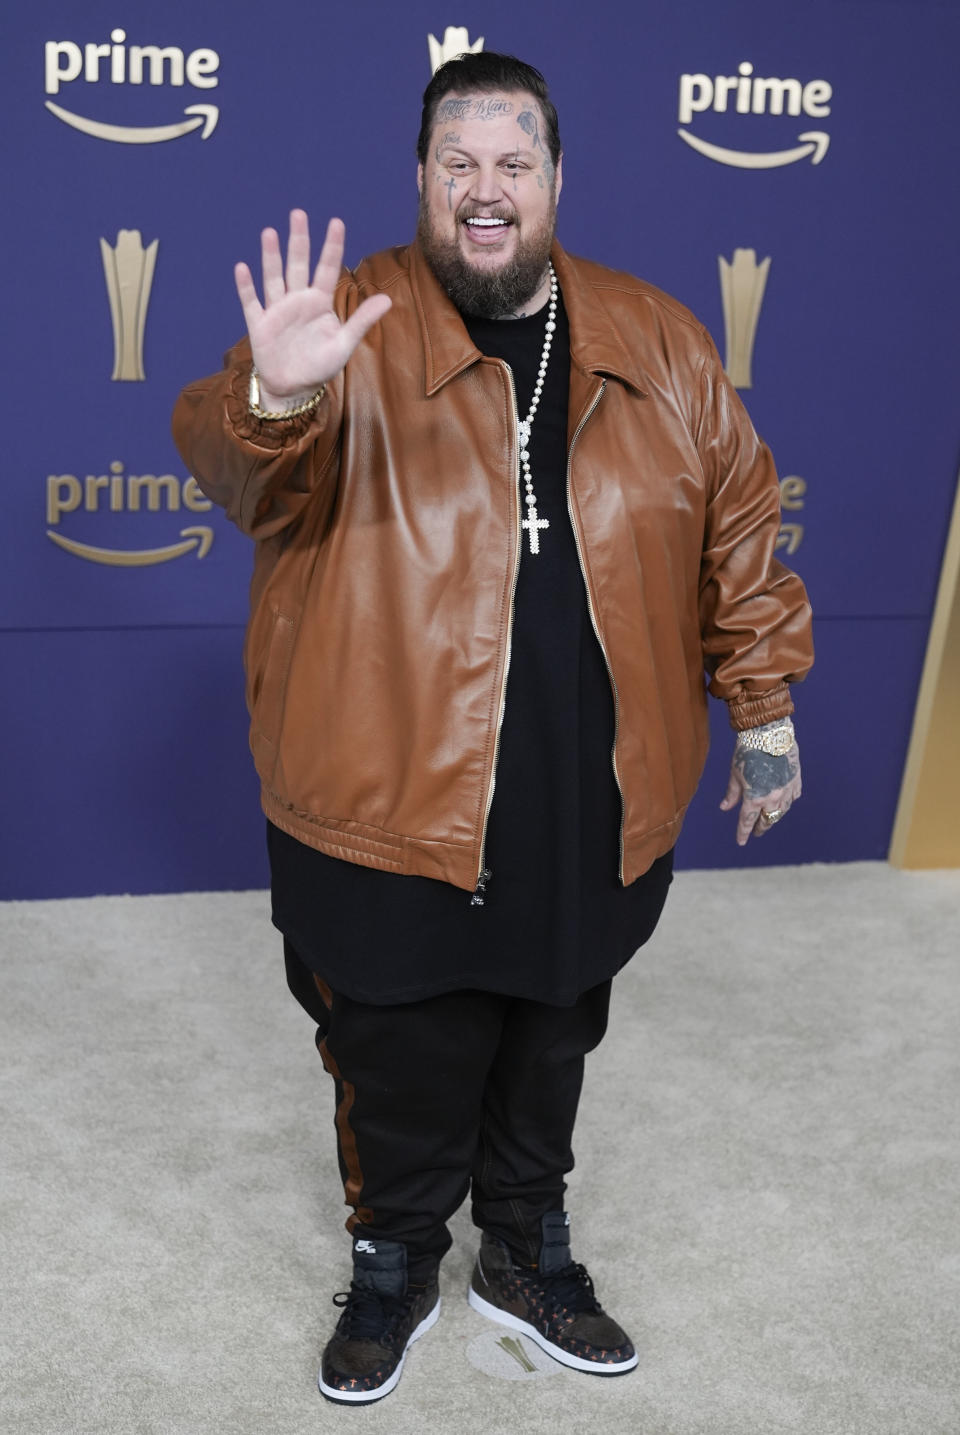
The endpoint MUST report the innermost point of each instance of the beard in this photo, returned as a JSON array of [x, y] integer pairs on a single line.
[[487, 293]]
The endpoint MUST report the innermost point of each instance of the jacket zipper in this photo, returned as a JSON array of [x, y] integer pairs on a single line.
[[593, 618], [483, 873]]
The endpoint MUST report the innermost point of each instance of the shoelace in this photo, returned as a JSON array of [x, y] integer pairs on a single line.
[[370, 1315], [569, 1289]]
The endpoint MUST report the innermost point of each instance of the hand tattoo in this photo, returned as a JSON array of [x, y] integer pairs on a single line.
[[763, 774]]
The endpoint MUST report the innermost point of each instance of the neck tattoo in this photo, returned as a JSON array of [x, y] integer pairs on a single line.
[[532, 523]]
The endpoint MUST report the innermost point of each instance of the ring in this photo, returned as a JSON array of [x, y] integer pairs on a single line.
[[772, 817]]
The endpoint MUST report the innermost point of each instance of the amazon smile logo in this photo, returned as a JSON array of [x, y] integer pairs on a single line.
[[118, 63], [747, 94], [120, 492]]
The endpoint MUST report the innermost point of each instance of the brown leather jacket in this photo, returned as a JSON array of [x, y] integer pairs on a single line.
[[387, 528]]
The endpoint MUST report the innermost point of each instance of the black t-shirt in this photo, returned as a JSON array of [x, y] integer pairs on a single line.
[[555, 919]]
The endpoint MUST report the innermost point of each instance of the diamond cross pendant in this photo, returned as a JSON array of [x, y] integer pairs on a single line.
[[533, 524]]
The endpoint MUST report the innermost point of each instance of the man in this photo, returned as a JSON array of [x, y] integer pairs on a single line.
[[507, 510]]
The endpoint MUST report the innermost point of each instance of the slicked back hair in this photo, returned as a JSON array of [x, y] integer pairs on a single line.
[[487, 73]]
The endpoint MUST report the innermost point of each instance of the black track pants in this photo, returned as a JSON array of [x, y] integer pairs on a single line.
[[468, 1091]]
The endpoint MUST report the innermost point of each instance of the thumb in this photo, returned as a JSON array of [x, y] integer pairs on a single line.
[[368, 314]]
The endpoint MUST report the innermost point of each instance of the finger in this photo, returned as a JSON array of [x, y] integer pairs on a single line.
[[731, 795], [765, 821], [329, 264], [273, 285], [749, 824], [247, 293], [370, 312], [298, 251]]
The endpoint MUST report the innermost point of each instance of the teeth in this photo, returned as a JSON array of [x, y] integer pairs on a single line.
[[486, 222]]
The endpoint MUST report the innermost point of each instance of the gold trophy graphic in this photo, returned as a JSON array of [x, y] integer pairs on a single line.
[[128, 269], [742, 284]]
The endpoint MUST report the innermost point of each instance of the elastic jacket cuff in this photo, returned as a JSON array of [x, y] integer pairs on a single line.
[[265, 433], [756, 709]]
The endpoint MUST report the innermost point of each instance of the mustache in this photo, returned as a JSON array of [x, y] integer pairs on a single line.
[[472, 212]]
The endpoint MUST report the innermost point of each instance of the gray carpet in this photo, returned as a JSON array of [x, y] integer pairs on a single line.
[[766, 1190]]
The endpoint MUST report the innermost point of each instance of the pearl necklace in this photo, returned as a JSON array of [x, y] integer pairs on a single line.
[[532, 522]]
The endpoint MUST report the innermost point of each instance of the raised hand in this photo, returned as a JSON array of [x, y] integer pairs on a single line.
[[298, 341], [761, 784]]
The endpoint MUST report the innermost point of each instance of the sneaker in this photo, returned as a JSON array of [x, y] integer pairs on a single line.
[[553, 1303], [382, 1317]]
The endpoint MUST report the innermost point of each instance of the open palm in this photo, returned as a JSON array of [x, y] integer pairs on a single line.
[[297, 339]]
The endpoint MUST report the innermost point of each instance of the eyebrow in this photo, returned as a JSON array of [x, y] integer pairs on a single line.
[[515, 152]]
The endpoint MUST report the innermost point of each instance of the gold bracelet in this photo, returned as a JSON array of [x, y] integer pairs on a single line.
[[273, 415]]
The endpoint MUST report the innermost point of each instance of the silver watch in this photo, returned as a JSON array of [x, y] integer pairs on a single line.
[[774, 741]]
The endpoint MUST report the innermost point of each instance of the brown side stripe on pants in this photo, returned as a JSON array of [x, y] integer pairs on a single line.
[[348, 1141]]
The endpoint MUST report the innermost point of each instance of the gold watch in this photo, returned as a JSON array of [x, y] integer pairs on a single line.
[[774, 741]]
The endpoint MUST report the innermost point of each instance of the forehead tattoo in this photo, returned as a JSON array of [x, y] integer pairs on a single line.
[[527, 121], [449, 138], [488, 107]]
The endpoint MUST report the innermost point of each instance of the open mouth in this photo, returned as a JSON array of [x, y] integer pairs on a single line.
[[484, 230]]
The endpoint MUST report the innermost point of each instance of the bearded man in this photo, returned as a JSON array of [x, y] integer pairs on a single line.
[[508, 512]]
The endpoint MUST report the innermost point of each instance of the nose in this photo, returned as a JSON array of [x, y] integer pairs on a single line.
[[487, 186]]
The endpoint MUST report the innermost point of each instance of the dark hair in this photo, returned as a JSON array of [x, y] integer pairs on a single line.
[[487, 72]]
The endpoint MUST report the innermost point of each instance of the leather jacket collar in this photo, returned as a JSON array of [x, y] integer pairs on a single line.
[[595, 348]]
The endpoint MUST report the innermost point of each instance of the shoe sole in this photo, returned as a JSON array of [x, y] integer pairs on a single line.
[[367, 1397], [575, 1362]]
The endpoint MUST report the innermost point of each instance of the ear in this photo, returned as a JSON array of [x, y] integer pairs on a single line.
[[558, 179], [419, 178]]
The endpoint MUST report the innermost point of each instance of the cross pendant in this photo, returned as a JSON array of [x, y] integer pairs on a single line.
[[534, 524]]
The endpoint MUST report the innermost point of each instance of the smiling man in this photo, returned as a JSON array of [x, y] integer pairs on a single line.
[[511, 522], [489, 242]]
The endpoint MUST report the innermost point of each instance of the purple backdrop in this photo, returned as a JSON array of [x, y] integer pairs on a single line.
[[123, 722]]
